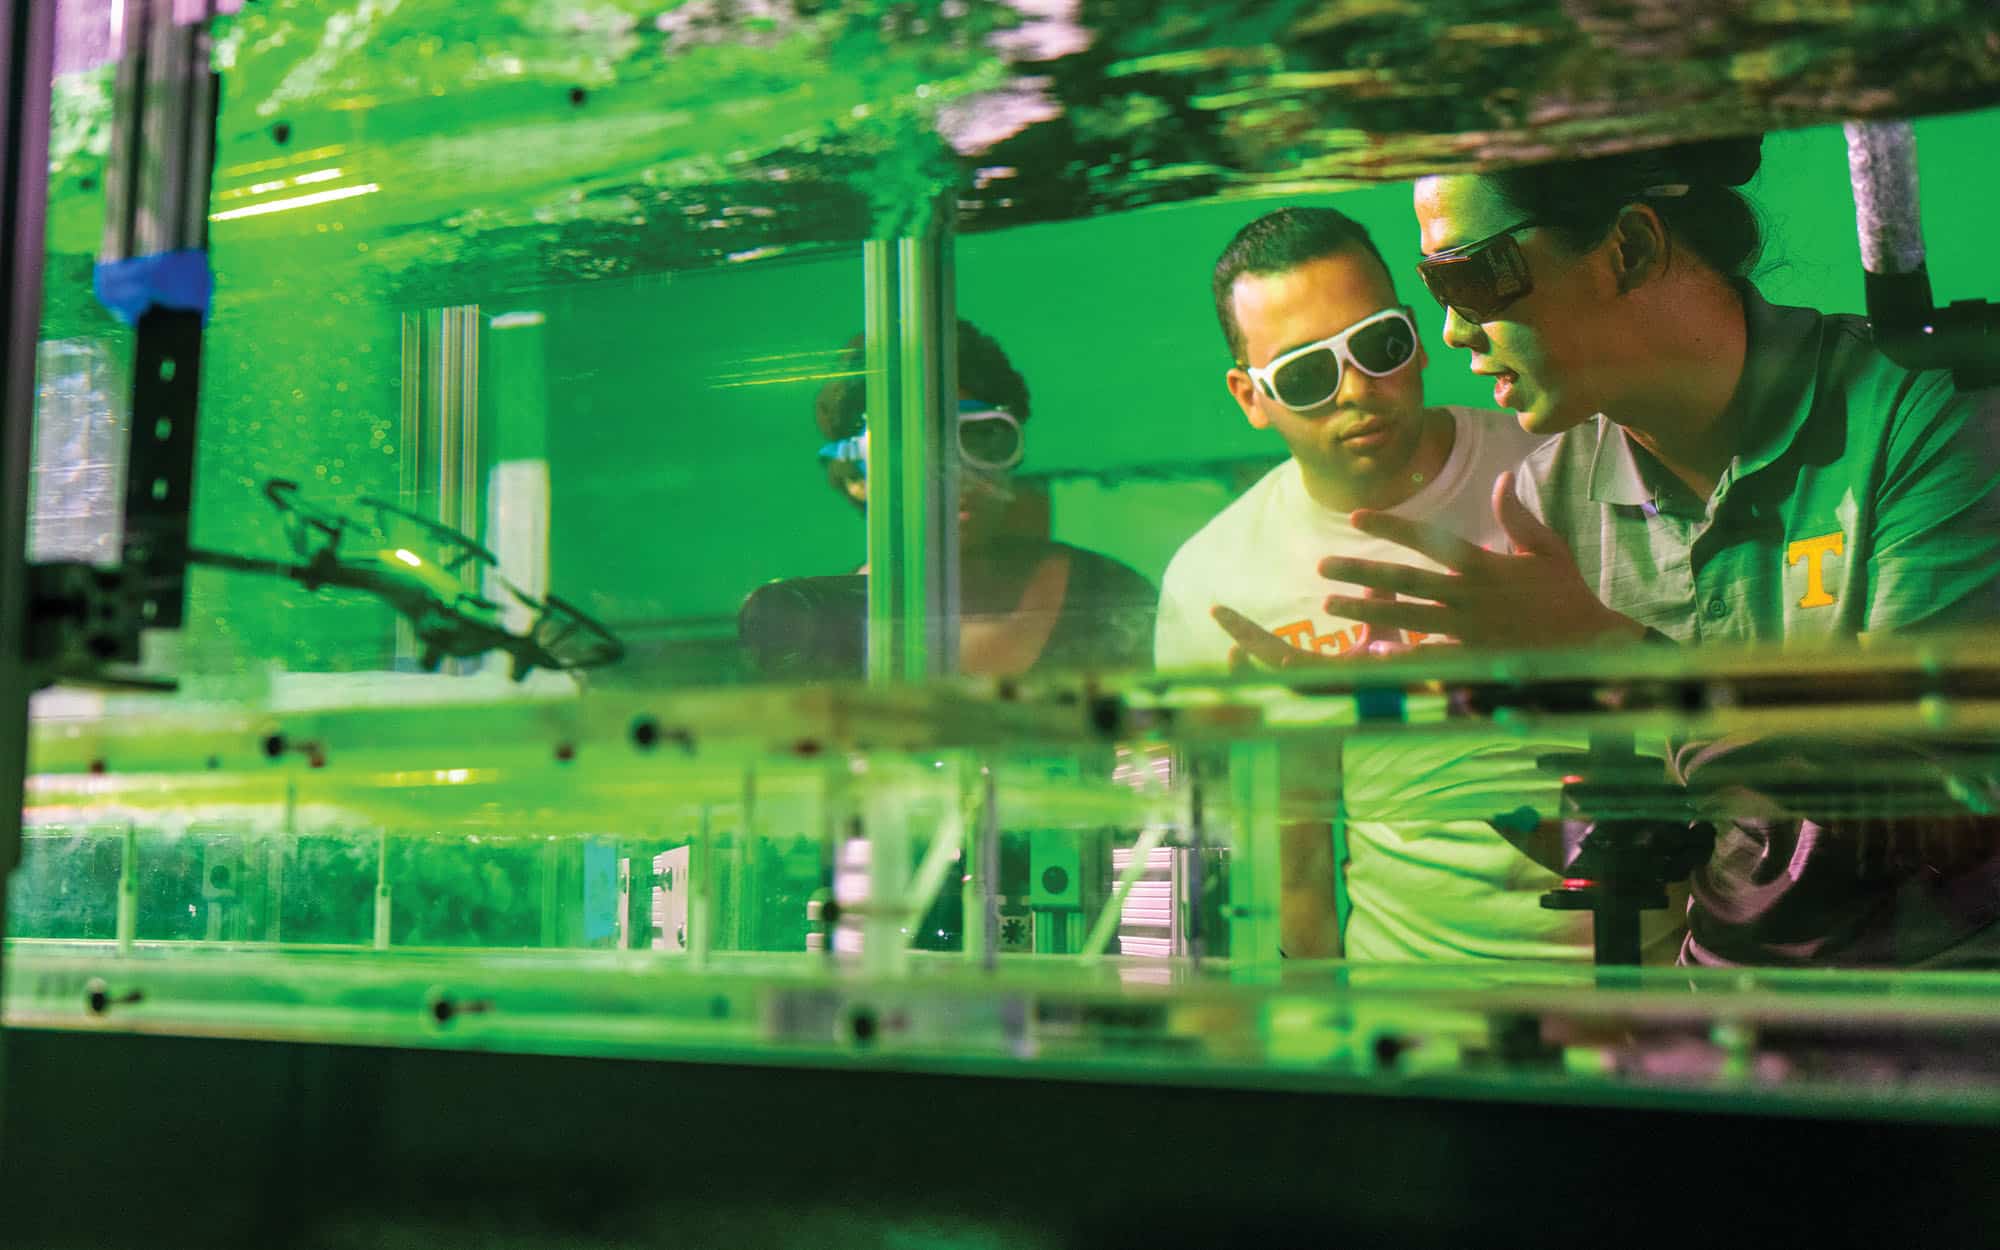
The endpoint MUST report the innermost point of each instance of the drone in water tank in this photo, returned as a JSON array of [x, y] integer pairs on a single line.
[[429, 588]]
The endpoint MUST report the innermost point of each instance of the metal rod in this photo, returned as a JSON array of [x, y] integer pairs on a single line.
[[743, 935], [121, 168], [1882, 165], [1197, 877], [911, 331], [27, 49], [1343, 902], [1903, 321], [985, 901], [382, 916], [1615, 935], [128, 890], [701, 892]]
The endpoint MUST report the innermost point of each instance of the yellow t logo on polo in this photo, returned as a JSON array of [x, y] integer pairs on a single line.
[[1813, 551]]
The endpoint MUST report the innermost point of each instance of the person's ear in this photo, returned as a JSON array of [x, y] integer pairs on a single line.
[[1640, 247], [1244, 392]]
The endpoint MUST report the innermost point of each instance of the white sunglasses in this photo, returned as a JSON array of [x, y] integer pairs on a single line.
[[989, 438], [1306, 377]]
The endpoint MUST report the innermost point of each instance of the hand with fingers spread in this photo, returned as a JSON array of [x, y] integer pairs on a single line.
[[1255, 646], [1533, 596]]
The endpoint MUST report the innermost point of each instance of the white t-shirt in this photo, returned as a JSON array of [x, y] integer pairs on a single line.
[[1261, 554], [1427, 877]]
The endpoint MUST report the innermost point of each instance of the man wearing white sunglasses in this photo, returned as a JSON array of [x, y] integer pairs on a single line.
[[1325, 354], [1027, 601]]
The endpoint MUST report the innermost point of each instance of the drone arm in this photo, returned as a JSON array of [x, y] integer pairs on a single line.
[[246, 564]]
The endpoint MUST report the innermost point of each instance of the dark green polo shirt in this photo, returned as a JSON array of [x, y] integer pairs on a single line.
[[1864, 500]]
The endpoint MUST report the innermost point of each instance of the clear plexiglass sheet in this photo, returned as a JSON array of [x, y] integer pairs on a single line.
[[804, 875], [657, 589]]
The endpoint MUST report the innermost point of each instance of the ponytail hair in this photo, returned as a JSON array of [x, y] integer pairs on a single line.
[[1691, 185]]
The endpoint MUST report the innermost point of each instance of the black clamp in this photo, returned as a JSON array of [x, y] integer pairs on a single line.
[[82, 617], [1627, 834]]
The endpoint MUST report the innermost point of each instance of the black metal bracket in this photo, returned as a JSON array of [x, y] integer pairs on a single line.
[[82, 619], [159, 478], [1963, 337], [1628, 834]]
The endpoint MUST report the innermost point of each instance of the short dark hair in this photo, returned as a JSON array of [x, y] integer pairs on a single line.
[[984, 373], [1279, 241], [1580, 199]]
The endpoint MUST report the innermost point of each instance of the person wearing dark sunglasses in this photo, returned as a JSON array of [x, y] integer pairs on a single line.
[[1028, 602], [1725, 470], [1325, 355]]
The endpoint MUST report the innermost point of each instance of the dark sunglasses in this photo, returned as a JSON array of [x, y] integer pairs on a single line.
[[1308, 376], [1478, 280]]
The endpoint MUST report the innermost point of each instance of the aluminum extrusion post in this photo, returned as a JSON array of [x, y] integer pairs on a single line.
[[1194, 876], [153, 271], [912, 396], [27, 46], [127, 931], [701, 891], [379, 932], [441, 444], [982, 893]]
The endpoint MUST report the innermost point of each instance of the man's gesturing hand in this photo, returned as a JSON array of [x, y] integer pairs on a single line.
[[1256, 647], [1531, 597]]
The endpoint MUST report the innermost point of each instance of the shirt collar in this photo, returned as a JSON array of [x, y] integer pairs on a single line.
[[1779, 374], [1614, 474], [1771, 403]]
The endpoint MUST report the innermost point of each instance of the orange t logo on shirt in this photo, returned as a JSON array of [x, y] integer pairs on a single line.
[[1302, 635]]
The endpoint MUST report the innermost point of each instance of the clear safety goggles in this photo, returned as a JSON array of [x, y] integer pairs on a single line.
[[989, 438]]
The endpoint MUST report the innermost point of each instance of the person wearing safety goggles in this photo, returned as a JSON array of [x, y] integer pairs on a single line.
[[1329, 359], [1028, 602], [1326, 355], [1724, 470]]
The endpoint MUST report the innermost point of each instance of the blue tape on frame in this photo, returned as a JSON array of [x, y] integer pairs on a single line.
[[600, 891], [178, 280]]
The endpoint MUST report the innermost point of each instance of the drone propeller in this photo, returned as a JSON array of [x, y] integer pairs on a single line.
[[464, 548], [449, 619], [301, 517], [599, 645]]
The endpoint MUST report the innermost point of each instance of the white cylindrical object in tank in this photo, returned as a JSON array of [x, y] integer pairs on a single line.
[[1882, 164]]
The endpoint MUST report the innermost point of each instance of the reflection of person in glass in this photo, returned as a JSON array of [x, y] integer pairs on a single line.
[[1028, 602], [1723, 470], [1327, 356]]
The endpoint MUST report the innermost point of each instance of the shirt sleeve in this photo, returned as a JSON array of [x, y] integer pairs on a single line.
[[1936, 532], [1528, 487], [1119, 604], [1177, 629]]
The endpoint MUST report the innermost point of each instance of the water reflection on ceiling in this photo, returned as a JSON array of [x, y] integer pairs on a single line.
[[521, 142]]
